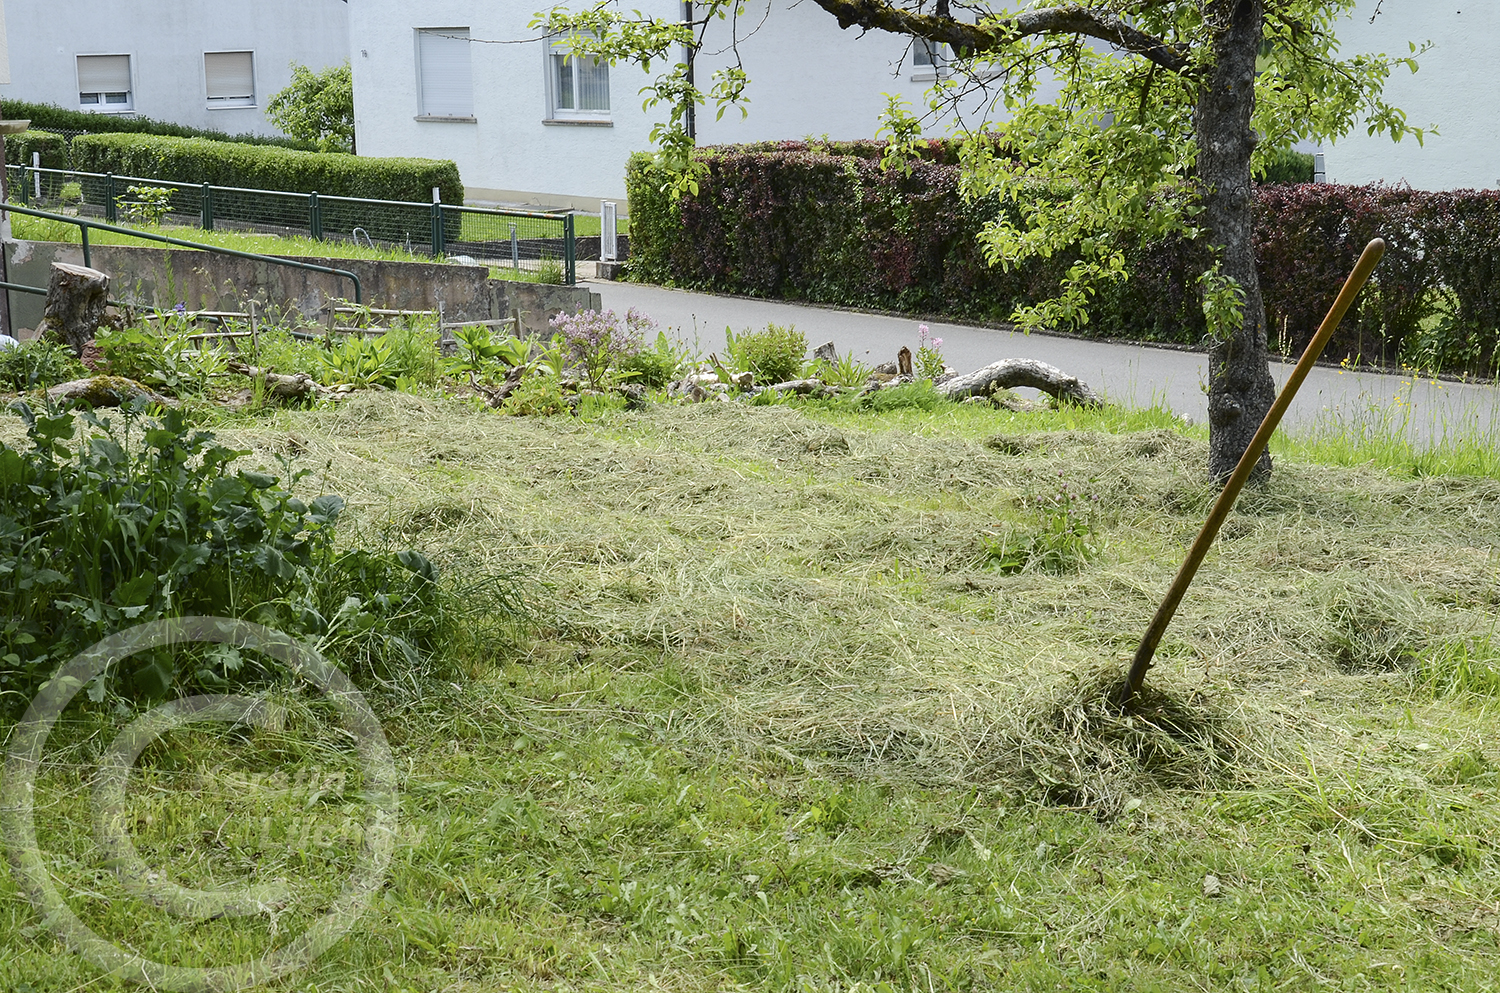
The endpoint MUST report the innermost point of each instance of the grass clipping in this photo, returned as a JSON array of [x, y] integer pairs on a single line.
[[824, 585]]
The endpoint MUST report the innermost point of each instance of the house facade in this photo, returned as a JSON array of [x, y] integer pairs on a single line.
[[1457, 90], [471, 81], [202, 63]]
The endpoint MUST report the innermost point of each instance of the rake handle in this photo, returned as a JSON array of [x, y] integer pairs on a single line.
[[1139, 666]]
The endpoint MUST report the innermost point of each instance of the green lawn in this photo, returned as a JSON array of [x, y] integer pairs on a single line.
[[814, 701]]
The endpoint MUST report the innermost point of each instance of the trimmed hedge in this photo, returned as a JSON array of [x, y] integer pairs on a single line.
[[48, 116], [53, 149], [198, 160], [796, 222]]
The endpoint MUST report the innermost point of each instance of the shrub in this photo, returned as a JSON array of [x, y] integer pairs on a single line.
[[1288, 166], [656, 366], [53, 149], [220, 163], [601, 342], [774, 355], [165, 358], [37, 364], [51, 117]]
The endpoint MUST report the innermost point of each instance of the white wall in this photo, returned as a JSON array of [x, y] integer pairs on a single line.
[[807, 78], [1457, 89], [166, 40]]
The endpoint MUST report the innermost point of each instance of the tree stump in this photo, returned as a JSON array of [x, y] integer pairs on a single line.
[[76, 299]]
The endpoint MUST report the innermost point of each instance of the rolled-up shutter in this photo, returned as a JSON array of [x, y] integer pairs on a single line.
[[444, 72], [230, 75], [103, 74]]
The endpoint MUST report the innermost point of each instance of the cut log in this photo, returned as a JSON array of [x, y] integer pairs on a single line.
[[1008, 373], [279, 386], [903, 362], [76, 299], [104, 391]]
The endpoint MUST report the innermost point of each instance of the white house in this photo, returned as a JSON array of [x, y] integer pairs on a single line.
[[469, 80], [203, 63], [1457, 89]]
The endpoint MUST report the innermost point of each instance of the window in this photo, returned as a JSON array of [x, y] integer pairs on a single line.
[[230, 78], [579, 85], [928, 58], [445, 77], [104, 82]]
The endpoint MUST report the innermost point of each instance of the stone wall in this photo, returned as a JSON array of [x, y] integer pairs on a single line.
[[155, 277]]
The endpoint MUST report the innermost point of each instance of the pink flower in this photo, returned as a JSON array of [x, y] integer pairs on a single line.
[[937, 343]]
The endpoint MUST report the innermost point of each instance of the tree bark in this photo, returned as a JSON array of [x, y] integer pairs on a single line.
[[1240, 387], [279, 386], [1007, 373], [76, 299]]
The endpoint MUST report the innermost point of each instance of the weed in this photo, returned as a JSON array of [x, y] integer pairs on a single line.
[[1064, 536], [656, 366], [845, 371], [164, 357], [37, 363]]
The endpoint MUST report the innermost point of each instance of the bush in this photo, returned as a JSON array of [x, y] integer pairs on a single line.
[[774, 355], [197, 160], [51, 117], [53, 149], [1288, 166]]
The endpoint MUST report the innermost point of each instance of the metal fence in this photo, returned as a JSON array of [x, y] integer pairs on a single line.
[[530, 241]]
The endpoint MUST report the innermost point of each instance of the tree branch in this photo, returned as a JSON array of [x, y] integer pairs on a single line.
[[1068, 19]]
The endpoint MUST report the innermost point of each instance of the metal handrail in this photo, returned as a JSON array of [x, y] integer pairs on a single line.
[[84, 225]]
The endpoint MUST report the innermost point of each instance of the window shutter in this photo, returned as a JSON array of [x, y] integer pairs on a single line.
[[230, 75], [445, 75], [103, 73]]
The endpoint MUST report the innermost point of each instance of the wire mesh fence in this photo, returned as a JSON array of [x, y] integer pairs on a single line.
[[537, 243]]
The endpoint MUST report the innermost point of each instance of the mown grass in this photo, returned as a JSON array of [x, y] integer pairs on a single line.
[[788, 722]]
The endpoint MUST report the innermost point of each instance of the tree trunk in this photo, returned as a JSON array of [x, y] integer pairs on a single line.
[[76, 300], [1240, 388]]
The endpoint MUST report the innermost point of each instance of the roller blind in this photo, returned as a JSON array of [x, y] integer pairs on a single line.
[[103, 73], [445, 76], [230, 75]]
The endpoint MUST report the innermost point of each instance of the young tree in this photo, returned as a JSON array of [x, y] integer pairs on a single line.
[[317, 107], [1165, 110]]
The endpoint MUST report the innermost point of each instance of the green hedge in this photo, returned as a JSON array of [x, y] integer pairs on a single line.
[[801, 222], [48, 116], [53, 149], [198, 160]]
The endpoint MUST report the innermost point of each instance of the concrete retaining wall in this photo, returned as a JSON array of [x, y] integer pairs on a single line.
[[154, 277]]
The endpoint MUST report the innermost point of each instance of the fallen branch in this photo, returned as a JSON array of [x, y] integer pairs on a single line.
[[104, 391], [1008, 373], [279, 385]]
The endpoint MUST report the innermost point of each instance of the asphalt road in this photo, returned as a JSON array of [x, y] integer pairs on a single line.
[[1331, 399]]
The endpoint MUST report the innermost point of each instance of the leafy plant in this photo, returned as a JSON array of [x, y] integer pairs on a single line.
[[551, 271], [168, 359], [37, 363], [774, 355], [656, 366], [478, 350], [537, 396], [360, 361], [151, 204], [70, 194], [845, 370]]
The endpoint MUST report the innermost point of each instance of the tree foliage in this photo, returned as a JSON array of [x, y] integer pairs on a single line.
[[317, 107]]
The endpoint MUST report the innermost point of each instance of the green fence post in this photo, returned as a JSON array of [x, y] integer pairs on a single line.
[[570, 250], [314, 216], [109, 197], [26, 186], [208, 207]]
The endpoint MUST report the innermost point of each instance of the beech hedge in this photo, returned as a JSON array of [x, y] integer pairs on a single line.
[[823, 222], [260, 167]]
